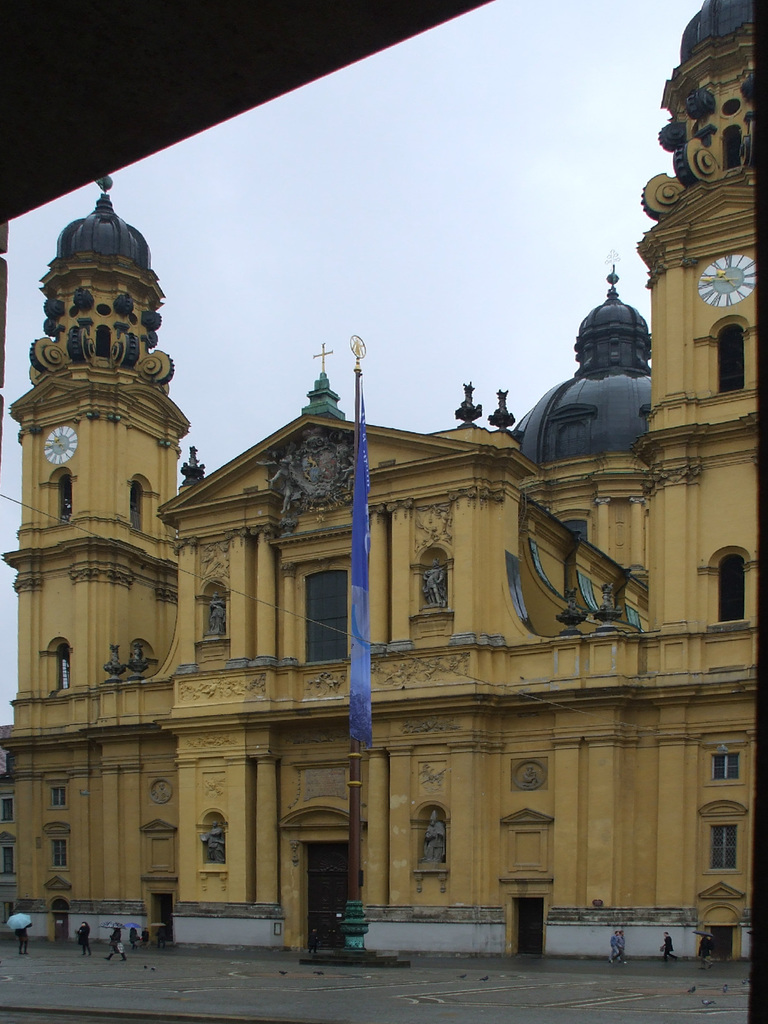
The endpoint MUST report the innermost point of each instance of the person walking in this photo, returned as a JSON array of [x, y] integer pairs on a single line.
[[115, 945], [84, 937], [314, 941], [615, 954], [667, 947], [21, 935], [133, 937], [622, 946], [706, 946]]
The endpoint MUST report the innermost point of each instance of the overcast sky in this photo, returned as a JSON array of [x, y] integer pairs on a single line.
[[451, 200]]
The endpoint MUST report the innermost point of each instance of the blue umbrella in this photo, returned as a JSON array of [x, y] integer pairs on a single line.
[[132, 924], [19, 921]]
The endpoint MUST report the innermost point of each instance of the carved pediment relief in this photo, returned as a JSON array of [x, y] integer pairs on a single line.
[[56, 828], [158, 825], [56, 882], [527, 817], [721, 891], [6, 838]]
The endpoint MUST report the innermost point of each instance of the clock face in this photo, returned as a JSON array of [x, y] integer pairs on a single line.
[[728, 280], [60, 445]]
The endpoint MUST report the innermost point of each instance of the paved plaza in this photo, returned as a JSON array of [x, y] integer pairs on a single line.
[[55, 983]]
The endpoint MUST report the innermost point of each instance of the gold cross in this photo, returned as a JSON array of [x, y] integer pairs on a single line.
[[322, 355]]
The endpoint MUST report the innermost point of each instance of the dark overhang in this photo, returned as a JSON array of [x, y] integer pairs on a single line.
[[90, 87]]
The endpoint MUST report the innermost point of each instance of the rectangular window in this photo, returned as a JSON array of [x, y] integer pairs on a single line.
[[723, 851], [327, 616], [6, 809], [7, 860], [725, 766], [58, 796], [59, 852]]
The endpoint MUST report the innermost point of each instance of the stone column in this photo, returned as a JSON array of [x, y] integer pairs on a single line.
[[239, 604], [400, 609], [603, 526], [289, 625], [637, 532], [401, 863], [376, 868], [266, 594], [568, 852], [379, 581], [463, 568], [266, 830]]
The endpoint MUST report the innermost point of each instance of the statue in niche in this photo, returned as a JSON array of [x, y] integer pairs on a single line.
[[436, 585], [434, 840], [214, 841], [217, 614]]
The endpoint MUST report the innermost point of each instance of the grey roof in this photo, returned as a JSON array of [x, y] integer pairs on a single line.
[[716, 18], [104, 232], [605, 406]]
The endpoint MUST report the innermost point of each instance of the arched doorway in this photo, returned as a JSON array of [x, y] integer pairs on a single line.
[[60, 910]]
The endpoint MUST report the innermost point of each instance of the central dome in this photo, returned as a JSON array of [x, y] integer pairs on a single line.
[[605, 406]]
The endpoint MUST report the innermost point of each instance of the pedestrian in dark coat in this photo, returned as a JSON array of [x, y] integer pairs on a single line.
[[84, 937], [666, 947], [705, 951], [21, 935], [115, 944]]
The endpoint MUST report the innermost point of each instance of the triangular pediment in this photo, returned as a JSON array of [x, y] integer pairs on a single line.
[[158, 825], [7, 837], [527, 817], [245, 480], [721, 891], [57, 883]]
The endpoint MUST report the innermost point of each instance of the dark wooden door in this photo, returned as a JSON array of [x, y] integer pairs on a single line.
[[60, 926], [722, 940], [530, 925], [327, 891]]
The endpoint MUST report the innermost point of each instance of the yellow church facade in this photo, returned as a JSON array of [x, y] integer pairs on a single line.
[[563, 617]]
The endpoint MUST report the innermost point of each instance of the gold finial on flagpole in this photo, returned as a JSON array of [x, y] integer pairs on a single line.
[[358, 347]]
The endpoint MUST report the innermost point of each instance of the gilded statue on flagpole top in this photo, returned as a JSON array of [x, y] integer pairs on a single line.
[[358, 347]]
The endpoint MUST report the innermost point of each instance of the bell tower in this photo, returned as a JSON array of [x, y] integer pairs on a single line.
[[701, 443], [100, 440]]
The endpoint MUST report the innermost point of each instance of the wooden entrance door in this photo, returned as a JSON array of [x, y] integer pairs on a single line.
[[722, 940], [530, 925], [327, 891], [60, 910]]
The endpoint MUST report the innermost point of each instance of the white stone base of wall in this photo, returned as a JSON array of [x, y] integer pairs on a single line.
[[227, 931], [472, 931]]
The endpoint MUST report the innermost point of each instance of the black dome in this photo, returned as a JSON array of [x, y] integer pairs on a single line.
[[104, 232], [605, 407], [716, 18]]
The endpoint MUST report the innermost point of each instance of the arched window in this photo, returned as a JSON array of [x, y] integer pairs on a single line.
[[103, 341], [731, 588], [135, 505], [327, 616], [730, 359], [732, 146], [65, 498], [62, 667]]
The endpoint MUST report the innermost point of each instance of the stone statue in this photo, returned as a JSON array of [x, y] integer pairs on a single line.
[[192, 471], [502, 418], [214, 840], [434, 840], [609, 611], [217, 614], [436, 585], [137, 663], [468, 411], [114, 667]]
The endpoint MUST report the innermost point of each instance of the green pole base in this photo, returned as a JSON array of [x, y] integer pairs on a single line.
[[354, 926]]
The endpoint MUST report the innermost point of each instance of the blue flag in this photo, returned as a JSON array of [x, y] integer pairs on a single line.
[[360, 652]]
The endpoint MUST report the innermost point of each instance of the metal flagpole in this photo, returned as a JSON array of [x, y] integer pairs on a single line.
[[354, 925]]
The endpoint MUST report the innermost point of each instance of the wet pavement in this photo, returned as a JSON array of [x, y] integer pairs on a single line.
[[194, 984]]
